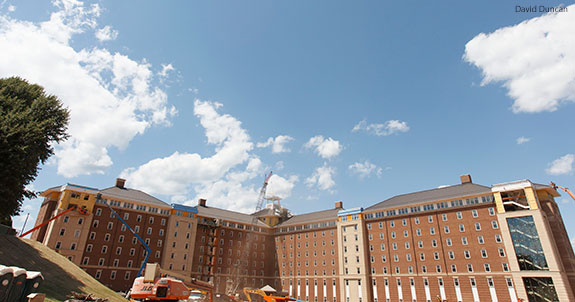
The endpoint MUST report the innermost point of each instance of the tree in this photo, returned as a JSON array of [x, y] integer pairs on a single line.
[[30, 123]]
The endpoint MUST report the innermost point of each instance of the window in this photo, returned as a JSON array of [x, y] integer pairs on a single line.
[[104, 249], [121, 238], [446, 229], [436, 255], [480, 240], [130, 262], [66, 219], [505, 267], [491, 212], [418, 232], [494, 224], [424, 269], [434, 243], [98, 273], [420, 244], [404, 222], [119, 251], [454, 268], [444, 217], [85, 261], [407, 245], [470, 267], [467, 254], [464, 240], [127, 276], [116, 262], [448, 241], [501, 252], [98, 212], [484, 253], [394, 245], [149, 232], [474, 213], [392, 223], [432, 230], [461, 228], [438, 268], [422, 256], [58, 245], [392, 235], [416, 220], [139, 218], [478, 226], [89, 248], [101, 262], [405, 234], [62, 232], [459, 216], [451, 255], [498, 238], [126, 216], [487, 267], [430, 219], [107, 237]]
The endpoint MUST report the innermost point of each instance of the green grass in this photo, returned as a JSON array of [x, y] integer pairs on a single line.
[[61, 276]]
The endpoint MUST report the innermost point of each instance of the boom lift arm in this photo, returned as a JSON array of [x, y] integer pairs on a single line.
[[566, 190], [148, 251], [73, 207]]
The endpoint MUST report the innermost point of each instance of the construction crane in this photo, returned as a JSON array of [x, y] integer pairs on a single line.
[[262, 197], [566, 190]]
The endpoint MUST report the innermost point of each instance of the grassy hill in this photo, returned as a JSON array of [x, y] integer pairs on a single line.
[[60, 275]]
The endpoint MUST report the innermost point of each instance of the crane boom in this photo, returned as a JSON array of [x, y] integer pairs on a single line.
[[262, 196]]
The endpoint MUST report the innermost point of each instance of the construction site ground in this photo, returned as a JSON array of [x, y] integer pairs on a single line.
[[61, 276]]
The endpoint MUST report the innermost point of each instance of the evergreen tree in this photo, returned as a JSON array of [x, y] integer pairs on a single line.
[[30, 123]]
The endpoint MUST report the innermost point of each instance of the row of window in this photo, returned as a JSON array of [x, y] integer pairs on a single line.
[[448, 242], [430, 207], [129, 205], [112, 275], [438, 269]]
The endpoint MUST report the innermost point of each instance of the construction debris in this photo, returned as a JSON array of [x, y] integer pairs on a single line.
[[77, 297]]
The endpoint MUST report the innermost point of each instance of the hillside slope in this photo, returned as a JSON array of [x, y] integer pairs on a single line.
[[60, 275]]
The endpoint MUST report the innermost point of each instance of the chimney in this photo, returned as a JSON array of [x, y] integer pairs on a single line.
[[465, 179], [339, 204], [120, 182], [202, 202]]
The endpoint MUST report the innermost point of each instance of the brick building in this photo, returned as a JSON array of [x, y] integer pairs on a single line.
[[465, 242]]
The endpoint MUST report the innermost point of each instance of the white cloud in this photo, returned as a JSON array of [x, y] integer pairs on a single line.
[[322, 177], [106, 33], [11, 8], [173, 175], [281, 187], [365, 169], [110, 96], [388, 128], [326, 148], [522, 140], [165, 70], [278, 143], [534, 60], [562, 165]]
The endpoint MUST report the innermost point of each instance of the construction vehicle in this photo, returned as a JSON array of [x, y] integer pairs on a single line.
[[74, 207], [156, 285], [267, 294], [566, 190]]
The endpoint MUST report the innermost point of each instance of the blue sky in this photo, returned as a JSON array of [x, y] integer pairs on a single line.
[[344, 100]]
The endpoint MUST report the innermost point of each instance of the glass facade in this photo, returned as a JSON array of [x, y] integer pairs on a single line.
[[540, 289], [526, 243]]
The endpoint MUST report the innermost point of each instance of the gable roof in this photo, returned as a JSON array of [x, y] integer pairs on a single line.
[[134, 195], [324, 215], [228, 215], [443, 193]]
